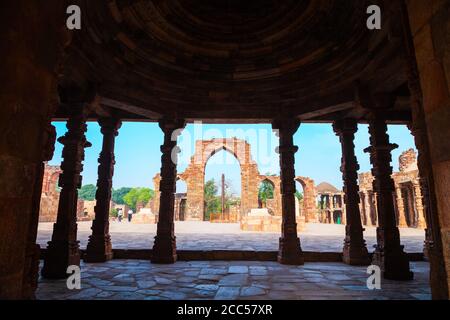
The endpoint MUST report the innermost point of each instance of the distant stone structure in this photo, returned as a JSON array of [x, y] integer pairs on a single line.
[[50, 194], [408, 205], [50, 198], [190, 206], [331, 204]]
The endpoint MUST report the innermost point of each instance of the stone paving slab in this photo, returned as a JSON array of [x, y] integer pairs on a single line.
[[213, 236], [141, 280]]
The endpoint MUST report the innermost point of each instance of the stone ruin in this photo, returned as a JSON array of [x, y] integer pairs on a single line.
[[192, 207], [48, 210], [408, 195]]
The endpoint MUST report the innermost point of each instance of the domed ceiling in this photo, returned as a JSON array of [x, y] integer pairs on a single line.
[[224, 59]]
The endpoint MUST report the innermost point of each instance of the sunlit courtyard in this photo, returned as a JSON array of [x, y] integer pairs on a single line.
[[193, 235]]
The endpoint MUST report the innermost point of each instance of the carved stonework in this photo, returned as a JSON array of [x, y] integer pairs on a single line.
[[63, 249], [355, 250], [389, 254], [290, 251], [164, 248], [99, 248]]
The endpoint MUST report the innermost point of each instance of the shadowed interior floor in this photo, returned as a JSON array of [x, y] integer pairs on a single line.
[[139, 279]]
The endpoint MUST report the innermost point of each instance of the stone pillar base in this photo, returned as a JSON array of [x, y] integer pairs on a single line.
[[99, 249], [58, 257], [394, 263], [290, 253], [355, 255], [164, 250]]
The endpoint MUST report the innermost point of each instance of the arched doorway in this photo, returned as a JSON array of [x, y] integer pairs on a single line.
[[307, 194], [180, 200], [194, 175], [222, 186], [266, 196]]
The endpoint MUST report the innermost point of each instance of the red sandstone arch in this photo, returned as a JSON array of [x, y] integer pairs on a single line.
[[275, 203], [195, 174], [309, 198]]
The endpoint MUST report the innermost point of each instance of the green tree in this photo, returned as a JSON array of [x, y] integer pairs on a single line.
[[117, 195], [265, 191], [212, 201], [138, 196], [299, 195], [87, 192]]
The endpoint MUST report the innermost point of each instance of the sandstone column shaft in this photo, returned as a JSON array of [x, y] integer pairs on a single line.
[[63, 249], [389, 254], [355, 250], [400, 207], [419, 205], [164, 248], [289, 249], [99, 248]]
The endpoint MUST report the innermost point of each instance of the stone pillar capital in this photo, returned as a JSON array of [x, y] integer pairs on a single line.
[[110, 125], [169, 126], [285, 126], [345, 126]]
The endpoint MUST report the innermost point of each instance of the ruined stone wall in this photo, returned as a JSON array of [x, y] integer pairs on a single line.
[[50, 195], [309, 209], [274, 205], [406, 177], [194, 177], [408, 161]]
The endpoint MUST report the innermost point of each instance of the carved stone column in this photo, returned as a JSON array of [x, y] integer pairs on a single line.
[[355, 249], [289, 249], [419, 205], [63, 249], [31, 271], [344, 209], [389, 254], [164, 248], [400, 208], [99, 248]]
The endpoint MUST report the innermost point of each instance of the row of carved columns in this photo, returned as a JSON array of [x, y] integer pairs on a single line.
[[63, 249]]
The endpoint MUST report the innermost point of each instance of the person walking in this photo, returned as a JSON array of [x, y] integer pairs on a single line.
[[130, 215], [119, 215]]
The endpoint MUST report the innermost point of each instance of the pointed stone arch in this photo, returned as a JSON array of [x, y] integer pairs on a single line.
[[195, 174], [309, 198]]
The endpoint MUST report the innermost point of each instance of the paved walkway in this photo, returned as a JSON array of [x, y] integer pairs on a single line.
[[138, 280], [211, 236]]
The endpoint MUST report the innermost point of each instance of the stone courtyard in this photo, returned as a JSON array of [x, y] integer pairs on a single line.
[[141, 280], [231, 280], [195, 235]]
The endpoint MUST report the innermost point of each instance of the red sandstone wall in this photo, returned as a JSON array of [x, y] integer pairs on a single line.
[[430, 27]]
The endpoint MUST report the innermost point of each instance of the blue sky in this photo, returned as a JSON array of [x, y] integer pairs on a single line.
[[138, 156]]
